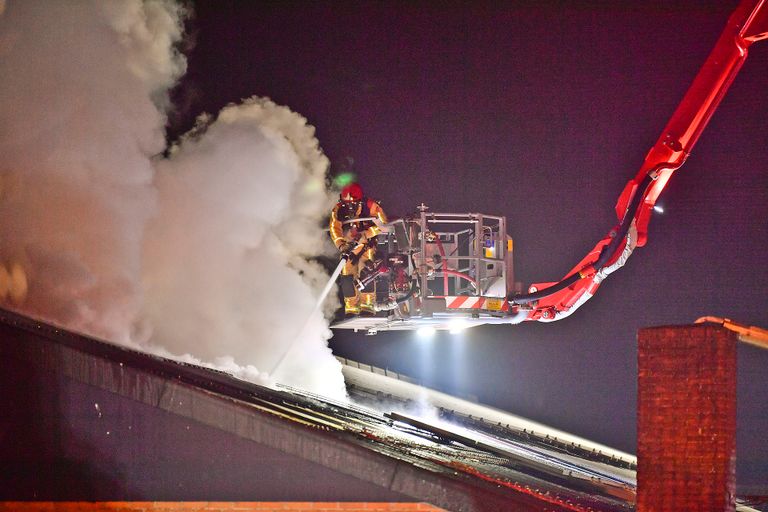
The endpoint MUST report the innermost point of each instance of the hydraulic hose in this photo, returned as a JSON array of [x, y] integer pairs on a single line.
[[607, 252], [450, 272], [546, 292], [626, 222]]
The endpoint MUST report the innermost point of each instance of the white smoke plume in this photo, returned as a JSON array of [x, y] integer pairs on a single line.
[[201, 255], [240, 203], [78, 128]]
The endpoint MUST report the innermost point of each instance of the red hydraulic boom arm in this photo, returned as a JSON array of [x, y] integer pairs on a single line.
[[552, 301]]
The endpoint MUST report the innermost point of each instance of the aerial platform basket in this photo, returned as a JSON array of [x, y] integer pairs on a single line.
[[441, 271]]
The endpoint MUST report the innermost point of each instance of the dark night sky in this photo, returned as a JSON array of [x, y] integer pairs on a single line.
[[541, 113]]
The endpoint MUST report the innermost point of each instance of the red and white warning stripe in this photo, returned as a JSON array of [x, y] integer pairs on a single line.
[[465, 302]]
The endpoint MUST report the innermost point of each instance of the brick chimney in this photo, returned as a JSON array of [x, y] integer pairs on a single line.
[[686, 419]]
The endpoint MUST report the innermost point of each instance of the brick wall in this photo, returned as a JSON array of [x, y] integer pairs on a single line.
[[686, 435], [211, 506]]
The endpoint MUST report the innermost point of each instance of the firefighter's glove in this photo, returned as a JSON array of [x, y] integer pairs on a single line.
[[346, 250]]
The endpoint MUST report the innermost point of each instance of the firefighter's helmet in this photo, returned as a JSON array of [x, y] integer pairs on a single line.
[[351, 192]]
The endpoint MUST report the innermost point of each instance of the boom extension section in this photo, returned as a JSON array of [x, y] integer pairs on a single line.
[[548, 302]]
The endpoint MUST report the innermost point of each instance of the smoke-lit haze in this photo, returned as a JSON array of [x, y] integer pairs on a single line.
[[203, 254]]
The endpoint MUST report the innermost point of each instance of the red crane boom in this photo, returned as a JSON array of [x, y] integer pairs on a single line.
[[552, 301]]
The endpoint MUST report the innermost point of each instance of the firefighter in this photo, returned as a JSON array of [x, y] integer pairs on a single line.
[[356, 241]]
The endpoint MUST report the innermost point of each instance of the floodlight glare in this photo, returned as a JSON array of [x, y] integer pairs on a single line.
[[457, 325], [426, 332], [658, 209]]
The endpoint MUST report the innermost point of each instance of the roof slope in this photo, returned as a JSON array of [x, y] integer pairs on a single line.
[[475, 467]]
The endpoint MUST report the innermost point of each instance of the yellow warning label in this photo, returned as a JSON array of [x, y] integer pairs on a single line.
[[494, 304]]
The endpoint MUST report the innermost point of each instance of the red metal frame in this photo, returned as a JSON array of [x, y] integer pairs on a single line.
[[747, 24]]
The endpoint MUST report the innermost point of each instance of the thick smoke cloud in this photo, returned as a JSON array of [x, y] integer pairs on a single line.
[[78, 129], [202, 255], [240, 202]]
